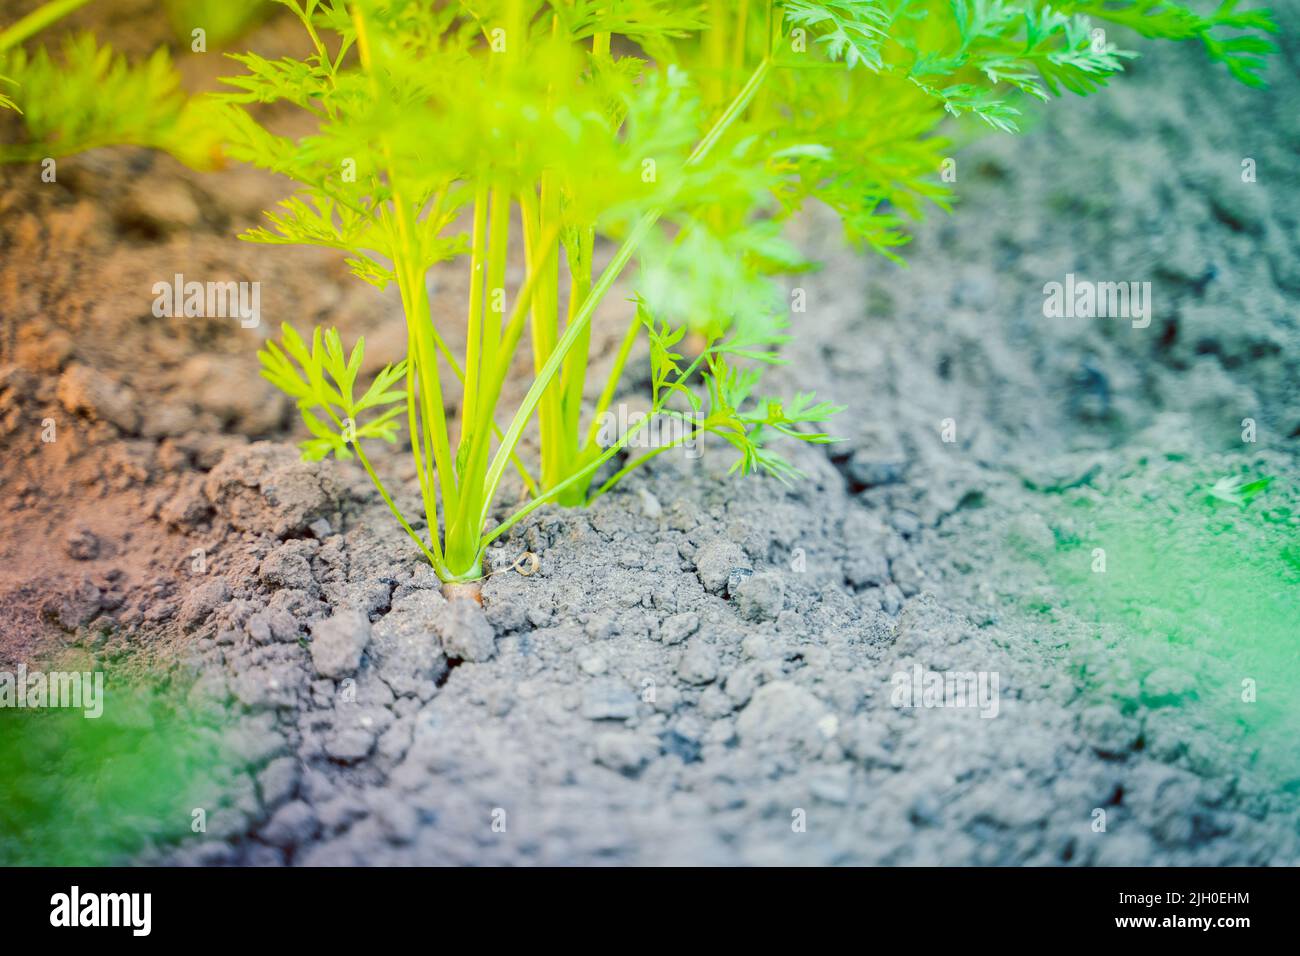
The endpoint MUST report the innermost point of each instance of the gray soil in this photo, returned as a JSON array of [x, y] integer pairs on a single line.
[[700, 670]]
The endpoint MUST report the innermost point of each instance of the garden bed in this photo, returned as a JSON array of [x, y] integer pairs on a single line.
[[698, 671]]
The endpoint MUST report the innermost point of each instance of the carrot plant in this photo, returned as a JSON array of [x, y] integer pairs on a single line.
[[681, 132], [86, 95]]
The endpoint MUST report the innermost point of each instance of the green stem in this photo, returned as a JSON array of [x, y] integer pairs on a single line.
[[415, 304], [38, 20], [470, 517], [741, 35], [720, 24], [438, 566], [641, 460], [542, 214], [498, 249], [573, 479], [435, 557], [432, 406], [611, 383], [581, 477], [602, 286], [417, 434], [474, 324], [573, 374], [445, 351]]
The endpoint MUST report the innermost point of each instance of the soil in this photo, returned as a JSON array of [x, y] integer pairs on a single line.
[[700, 670]]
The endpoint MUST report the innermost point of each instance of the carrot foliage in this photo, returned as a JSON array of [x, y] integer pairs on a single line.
[[679, 134], [554, 147]]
